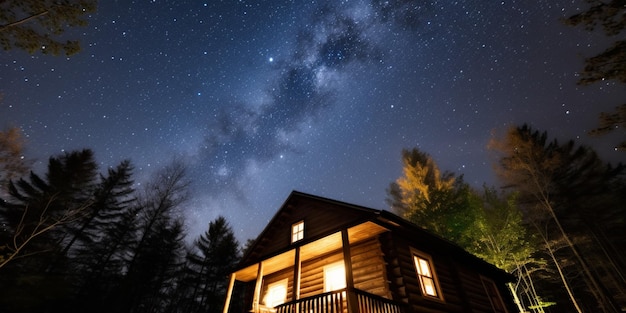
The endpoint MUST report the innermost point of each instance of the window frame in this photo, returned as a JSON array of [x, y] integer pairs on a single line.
[[487, 281], [419, 255], [297, 231]]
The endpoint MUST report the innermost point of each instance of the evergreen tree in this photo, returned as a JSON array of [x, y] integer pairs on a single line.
[[36, 218], [159, 248], [216, 254]]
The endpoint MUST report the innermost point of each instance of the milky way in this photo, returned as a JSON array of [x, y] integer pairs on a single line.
[[317, 96]]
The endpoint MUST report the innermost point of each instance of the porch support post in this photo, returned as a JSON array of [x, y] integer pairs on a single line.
[[297, 269], [229, 293], [347, 261], [257, 288]]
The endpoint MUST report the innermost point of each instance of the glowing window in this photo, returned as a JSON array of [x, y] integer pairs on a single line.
[[426, 275], [334, 276], [297, 231], [276, 293]]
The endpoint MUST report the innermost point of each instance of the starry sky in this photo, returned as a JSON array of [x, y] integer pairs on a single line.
[[259, 98]]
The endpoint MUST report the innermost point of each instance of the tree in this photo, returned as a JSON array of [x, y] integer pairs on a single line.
[[612, 121], [37, 216], [564, 190], [499, 235], [216, 254], [609, 64], [38, 25], [12, 162], [433, 200], [153, 261]]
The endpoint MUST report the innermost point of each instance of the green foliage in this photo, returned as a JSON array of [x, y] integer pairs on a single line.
[[39, 25], [433, 200], [498, 233]]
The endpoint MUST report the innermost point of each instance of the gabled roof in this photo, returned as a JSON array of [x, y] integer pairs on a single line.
[[296, 207], [332, 215]]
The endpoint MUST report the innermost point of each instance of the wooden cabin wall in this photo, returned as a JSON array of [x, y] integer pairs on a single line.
[[322, 222], [312, 275], [368, 268], [275, 277], [460, 285]]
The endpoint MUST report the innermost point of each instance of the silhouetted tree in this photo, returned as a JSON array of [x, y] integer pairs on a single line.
[[564, 190], [159, 249], [38, 25], [36, 218], [214, 257], [609, 64]]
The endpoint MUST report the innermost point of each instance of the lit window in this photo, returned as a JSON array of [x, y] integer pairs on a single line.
[[276, 293], [334, 276], [493, 294], [426, 275], [297, 231]]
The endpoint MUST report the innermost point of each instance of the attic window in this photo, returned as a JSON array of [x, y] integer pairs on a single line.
[[426, 275], [297, 231]]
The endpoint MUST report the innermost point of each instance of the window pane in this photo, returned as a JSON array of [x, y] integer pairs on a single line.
[[424, 268], [297, 231], [334, 277], [276, 294], [429, 286]]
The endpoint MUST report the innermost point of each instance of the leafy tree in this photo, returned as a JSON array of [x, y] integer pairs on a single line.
[[38, 25], [433, 200], [564, 190], [12, 163], [499, 235]]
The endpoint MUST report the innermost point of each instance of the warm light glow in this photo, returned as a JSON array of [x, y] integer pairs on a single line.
[[425, 276], [334, 276], [424, 268], [297, 231], [276, 293]]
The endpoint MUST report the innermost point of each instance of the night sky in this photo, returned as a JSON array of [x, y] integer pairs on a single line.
[[263, 97]]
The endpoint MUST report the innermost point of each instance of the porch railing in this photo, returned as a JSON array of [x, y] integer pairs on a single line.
[[335, 302]]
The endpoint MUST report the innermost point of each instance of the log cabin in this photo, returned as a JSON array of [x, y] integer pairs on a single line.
[[319, 255]]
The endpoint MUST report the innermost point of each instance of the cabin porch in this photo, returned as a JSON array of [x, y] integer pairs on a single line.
[[309, 287]]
